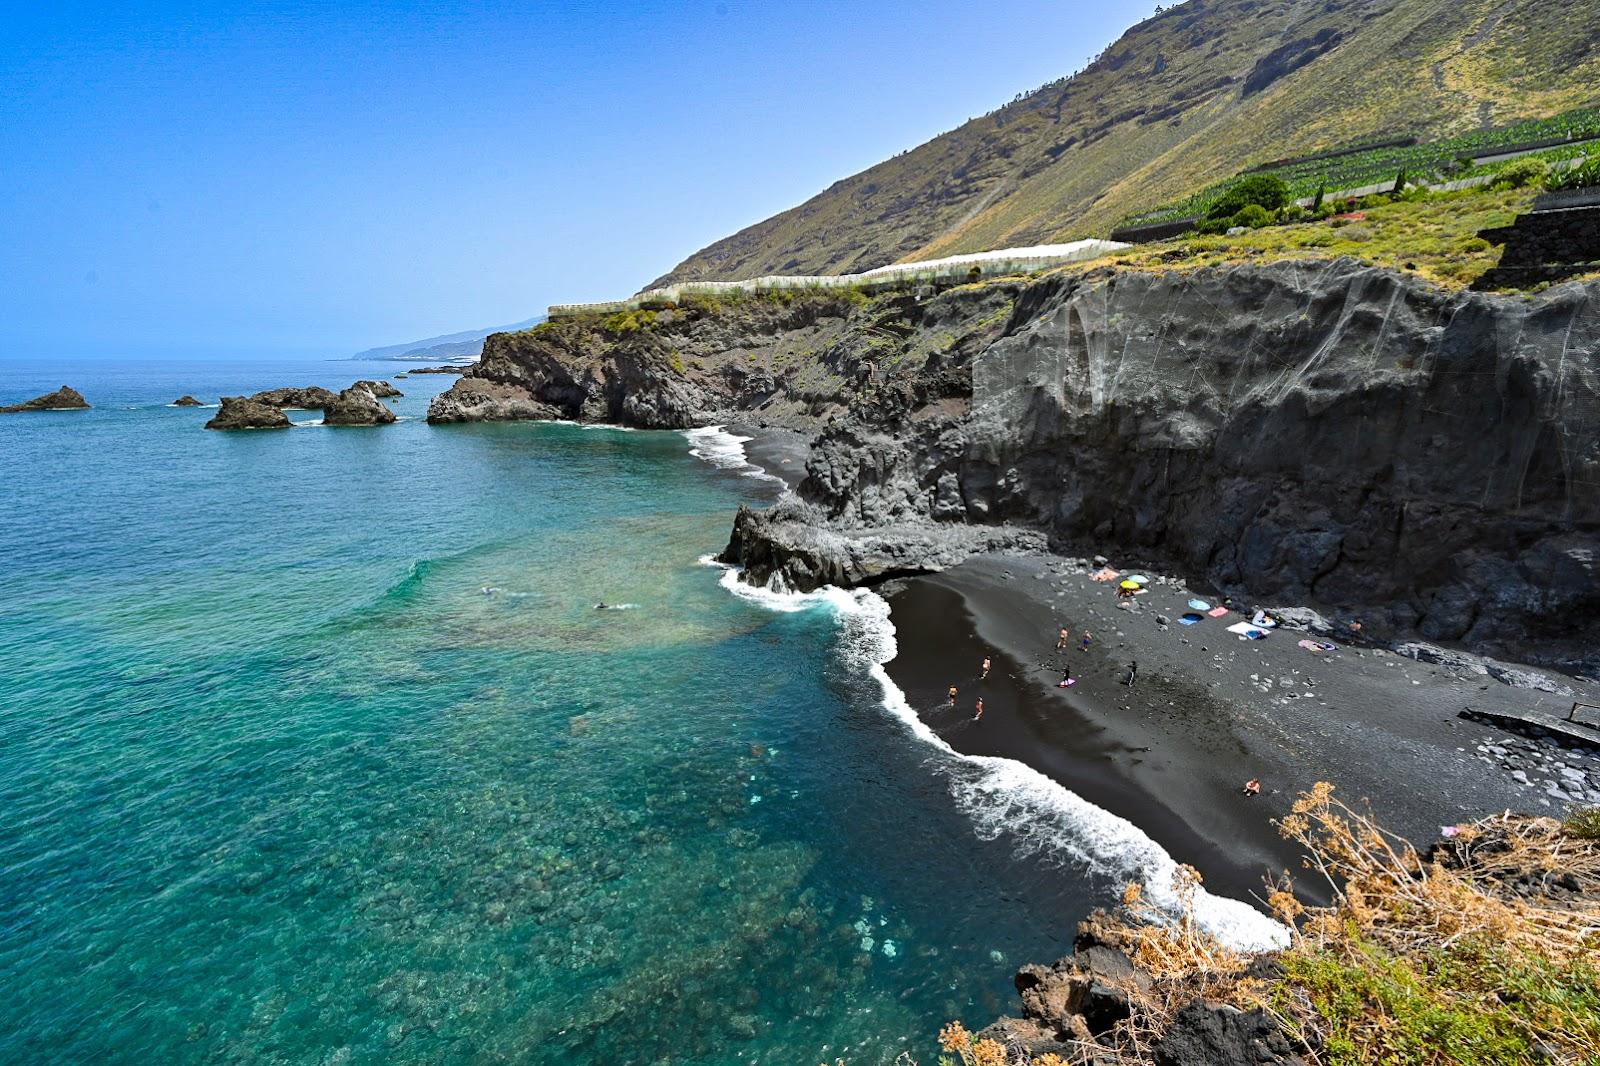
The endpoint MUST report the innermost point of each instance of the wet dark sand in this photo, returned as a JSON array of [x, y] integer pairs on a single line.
[[780, 452], [1209, 710]]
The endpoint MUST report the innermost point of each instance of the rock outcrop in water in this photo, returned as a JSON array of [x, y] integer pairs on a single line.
[[187, 401], [356, 406], [244, 412], [1316, 432], [63, 399], [381, 389], [310, 398]]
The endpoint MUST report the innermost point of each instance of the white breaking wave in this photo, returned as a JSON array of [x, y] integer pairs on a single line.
[[1007, 798], [725, 451]]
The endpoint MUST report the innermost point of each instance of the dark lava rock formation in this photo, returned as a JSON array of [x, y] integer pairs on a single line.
[[63, 399], [187, 401], [1317, 432], [310, 398], [1069, 1006], [245, 412], [356, 406], [381, 389]]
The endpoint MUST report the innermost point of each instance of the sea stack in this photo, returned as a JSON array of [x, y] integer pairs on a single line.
[[63, 399], [356, 406], [187, 401], [244, 412], [310, 398], [381, 389]]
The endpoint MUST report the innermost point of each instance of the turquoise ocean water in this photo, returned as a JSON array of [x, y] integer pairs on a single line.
[[280, 781]]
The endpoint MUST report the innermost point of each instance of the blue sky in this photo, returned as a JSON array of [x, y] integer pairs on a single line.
[[312, 179]]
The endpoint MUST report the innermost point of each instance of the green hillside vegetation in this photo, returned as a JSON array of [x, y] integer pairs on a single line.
[[1437, 161], [1188, 98], [1434, 235]]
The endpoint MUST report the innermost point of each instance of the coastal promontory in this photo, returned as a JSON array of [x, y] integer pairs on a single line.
[[245, 412], [65, 398]]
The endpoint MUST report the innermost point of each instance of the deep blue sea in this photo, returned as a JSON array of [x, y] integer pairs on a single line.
[[313, 749]]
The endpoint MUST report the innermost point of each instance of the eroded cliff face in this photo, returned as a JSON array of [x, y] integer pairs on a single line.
[[1317, 433]]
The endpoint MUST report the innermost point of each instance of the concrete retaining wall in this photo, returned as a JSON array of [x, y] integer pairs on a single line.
[[955, 268]]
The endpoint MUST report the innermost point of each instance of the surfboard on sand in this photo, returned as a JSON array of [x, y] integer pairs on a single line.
[[1069, 681]]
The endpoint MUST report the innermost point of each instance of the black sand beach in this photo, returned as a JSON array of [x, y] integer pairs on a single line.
[[1209, 711]]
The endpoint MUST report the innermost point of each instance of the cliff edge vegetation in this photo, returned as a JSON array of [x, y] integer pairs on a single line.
[[1479, 951]]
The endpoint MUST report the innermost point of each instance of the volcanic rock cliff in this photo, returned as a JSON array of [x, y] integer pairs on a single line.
[[1316, 432]]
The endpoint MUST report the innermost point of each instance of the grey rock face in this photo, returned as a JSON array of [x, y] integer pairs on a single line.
[[1212, 1034], [381, 389], [243, 412], [63, 399], [356, 406], [1316, 433]]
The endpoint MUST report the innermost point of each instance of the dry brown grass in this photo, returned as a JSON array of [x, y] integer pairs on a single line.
[[1448, 959]]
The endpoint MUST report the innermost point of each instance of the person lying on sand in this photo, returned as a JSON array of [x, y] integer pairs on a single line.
[[1252, 787], [1263, 619], [979, 715]]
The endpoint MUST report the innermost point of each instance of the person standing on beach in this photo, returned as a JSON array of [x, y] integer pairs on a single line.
[[1133, 672], [1066, 677], [1063, 640], [985, 673], [952, 695], [979, 715], [1087, 637]]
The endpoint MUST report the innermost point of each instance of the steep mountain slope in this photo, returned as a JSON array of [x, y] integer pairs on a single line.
[[1191, 95]]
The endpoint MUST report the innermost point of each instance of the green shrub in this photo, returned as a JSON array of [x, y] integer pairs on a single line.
[[675, 360], [1262, 190], [1521, 173], [1213, 226], [625, 322], [1583, 176], [1584, 824], [1253, 215]]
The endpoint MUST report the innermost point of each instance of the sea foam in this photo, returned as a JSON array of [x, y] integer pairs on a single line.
[[725, 451], [1008, 798]]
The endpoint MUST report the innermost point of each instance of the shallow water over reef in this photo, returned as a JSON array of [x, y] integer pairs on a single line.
[[314, 749]]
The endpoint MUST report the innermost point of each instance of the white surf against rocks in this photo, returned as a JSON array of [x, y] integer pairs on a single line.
[[725, 451], [1008, 798]]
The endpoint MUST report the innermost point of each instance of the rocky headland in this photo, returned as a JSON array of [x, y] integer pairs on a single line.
[[1319, 433], [63, 399]]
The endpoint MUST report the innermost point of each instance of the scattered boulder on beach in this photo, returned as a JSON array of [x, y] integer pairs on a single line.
[[63, 399], [381, 389], [187, 401], [246, 412], [356, 406], [310, 398]]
